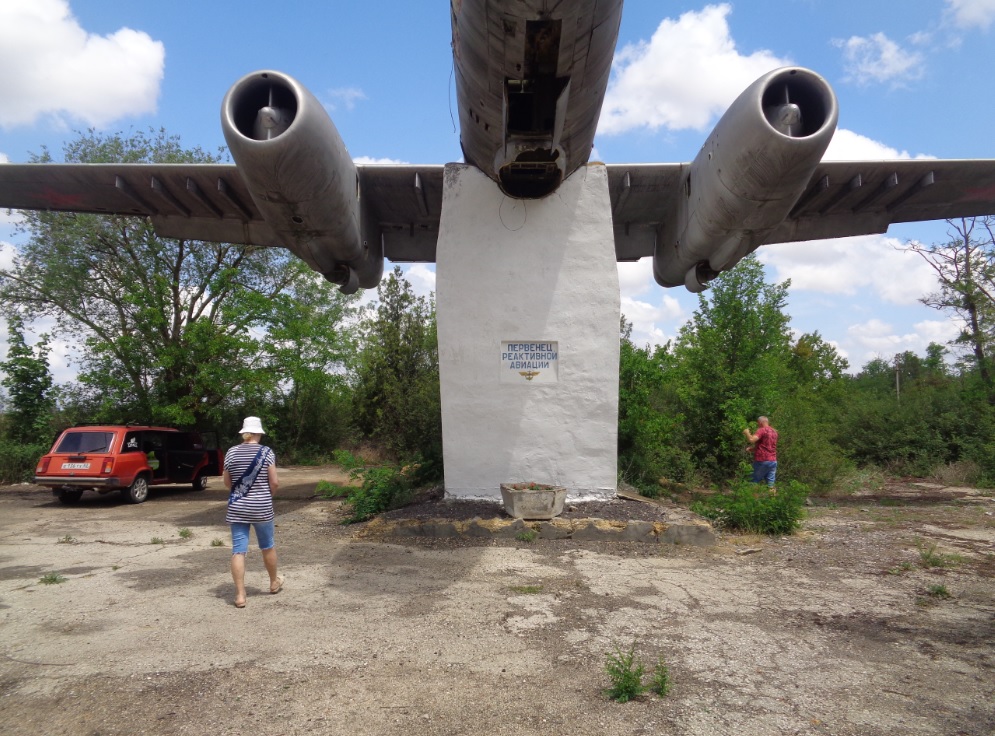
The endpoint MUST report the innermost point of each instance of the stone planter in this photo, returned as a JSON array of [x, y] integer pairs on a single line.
[[533, 500]]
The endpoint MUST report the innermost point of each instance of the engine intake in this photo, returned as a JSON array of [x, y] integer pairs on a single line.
[[748, 175], [301, 177], [264, 107]]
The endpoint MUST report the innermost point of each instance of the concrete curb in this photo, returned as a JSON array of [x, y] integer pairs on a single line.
[[696, 533]]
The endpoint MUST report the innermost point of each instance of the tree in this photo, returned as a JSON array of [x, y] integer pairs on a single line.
[[309, 348], [651, 443], [396, 399], [167, 330], [810, 413], [732, 363], [911, 415], [965, 268], [29, 383]]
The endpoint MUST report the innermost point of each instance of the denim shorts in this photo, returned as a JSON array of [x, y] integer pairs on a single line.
[[240, 536], [764, 470]]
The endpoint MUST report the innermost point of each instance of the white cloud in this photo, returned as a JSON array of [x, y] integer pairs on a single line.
[[422, 278], [60, 352], [852, 266], [635, 277], [53, 67], [972, 13], [7, 253], [60, 361], [685, 75], [367, 298], [877, 58], [369, 160], [345, 96], [849, 146], [652, 323], [10, 217], [878, 339]]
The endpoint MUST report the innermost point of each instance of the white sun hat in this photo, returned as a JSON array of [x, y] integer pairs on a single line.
[[252, 425]]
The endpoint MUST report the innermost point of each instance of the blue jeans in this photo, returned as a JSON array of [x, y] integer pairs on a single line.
[[240, 536], [764, 470]]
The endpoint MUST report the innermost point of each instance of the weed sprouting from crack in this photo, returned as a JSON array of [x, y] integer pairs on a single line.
[[660, 679], [625, 673], [930, 557], [526, 589]]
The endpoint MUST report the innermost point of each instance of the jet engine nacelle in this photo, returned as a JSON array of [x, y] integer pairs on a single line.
[[301, 177], [749, 174]]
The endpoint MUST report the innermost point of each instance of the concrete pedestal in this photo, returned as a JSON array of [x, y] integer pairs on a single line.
[[528, 317]]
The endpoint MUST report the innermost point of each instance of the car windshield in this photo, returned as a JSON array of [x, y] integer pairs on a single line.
[[74, 443]]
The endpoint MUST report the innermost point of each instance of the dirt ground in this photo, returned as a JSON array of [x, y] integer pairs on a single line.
[[844, 628]]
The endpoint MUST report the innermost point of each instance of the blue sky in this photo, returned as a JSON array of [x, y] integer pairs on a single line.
[[910, 82]]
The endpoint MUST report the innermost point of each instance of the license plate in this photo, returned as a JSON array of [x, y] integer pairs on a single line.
[[75, 466]]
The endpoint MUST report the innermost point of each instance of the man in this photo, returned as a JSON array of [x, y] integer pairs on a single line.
[[764, 451]]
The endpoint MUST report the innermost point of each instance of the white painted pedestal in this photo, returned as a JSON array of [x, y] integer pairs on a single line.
[[528, 316]]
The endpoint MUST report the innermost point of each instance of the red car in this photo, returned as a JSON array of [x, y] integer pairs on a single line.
[[128, 458]]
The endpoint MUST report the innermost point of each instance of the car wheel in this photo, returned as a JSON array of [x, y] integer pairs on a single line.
[[200, 482], [68, 496], [139, 490]]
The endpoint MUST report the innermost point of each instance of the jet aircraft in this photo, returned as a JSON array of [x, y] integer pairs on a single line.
[[531, 77]]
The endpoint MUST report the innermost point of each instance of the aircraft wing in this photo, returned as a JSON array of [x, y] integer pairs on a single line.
[[864, 197], [842, 198], [195, 201], [643, 198], [211, 201], [406, 200]]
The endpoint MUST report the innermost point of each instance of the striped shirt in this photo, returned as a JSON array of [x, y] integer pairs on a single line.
[[257, 504]]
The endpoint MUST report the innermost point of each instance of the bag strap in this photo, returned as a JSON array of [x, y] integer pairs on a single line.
[[249, 476]]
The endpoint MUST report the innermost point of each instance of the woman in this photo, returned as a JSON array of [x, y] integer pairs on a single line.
[[252, 508]]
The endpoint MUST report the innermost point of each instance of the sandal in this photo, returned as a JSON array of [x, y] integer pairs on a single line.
[[239, 604], [279, 585]]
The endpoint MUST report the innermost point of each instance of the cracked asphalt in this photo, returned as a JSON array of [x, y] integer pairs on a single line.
[[840, 629]]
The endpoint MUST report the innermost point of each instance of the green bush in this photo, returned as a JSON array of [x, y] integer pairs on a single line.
[[346, 460], [328, 489], [754, 508], [17, 461], [814, 462], [383, 488]]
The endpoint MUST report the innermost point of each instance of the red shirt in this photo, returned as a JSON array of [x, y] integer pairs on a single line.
[[765, 449]]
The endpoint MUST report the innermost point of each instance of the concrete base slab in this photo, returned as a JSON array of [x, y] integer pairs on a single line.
[[699, 534]]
